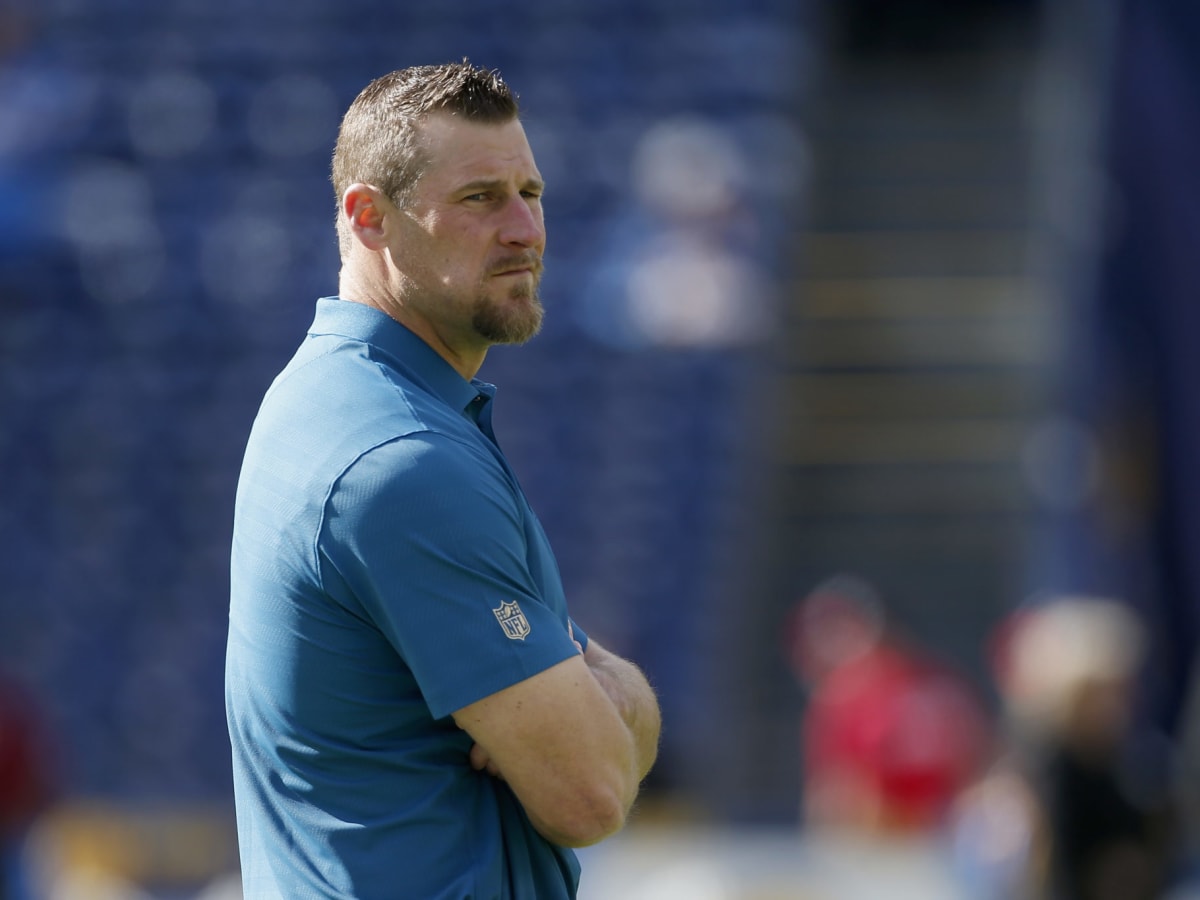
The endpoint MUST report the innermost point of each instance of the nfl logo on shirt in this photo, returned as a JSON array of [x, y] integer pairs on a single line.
[[512, 620]]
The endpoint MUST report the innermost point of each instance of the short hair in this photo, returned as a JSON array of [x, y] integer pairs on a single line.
[[377, 141]]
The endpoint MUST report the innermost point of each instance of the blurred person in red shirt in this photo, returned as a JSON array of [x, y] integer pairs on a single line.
[[27, 784], [890, 735]]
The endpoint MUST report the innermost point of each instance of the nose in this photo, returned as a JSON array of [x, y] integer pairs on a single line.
[[523, 225]]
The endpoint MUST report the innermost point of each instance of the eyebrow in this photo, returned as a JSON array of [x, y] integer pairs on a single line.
[[494, 184]]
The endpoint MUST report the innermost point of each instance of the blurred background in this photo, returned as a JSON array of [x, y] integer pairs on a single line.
[[863, 419]]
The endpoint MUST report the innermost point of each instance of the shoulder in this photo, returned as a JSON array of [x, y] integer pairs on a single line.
[[431, 473], [336, 404], [336, 379]]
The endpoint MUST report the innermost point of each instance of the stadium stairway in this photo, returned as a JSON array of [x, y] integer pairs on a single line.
[[914, 363]]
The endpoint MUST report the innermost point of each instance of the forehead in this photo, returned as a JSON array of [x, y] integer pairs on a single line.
[[459, 151]]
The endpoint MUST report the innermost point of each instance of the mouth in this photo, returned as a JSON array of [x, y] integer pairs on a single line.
[[518, 266]]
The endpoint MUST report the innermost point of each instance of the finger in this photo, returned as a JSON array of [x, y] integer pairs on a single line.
[[479, 758], [571, 632]]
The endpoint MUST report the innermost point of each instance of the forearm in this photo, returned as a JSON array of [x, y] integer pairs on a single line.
[[574, 743], [634, 699]]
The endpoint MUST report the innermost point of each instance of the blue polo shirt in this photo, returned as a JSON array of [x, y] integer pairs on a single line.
[[386, 571]]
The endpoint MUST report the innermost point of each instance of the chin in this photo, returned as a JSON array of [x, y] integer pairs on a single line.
[[509, 329], [513, 320]]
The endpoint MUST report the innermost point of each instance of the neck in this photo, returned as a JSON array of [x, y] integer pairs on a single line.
[[463, 356]]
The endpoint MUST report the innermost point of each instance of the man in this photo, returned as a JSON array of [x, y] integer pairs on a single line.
[[412, 712]]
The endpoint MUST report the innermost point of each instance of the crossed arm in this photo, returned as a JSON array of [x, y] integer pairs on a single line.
[[573, 742]]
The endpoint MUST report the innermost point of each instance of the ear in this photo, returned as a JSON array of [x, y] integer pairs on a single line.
[[364, 209]]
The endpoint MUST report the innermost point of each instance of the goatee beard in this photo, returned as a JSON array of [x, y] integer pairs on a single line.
[[512, 324]]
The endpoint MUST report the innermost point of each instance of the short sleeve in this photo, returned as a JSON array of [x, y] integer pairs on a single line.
[[430, 535]]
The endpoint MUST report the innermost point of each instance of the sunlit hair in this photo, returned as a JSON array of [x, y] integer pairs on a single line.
[[378, 144]]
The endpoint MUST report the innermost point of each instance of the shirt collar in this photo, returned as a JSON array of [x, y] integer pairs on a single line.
[[411, 354]]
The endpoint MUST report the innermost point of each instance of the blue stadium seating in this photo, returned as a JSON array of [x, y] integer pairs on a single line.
[[124, 416]]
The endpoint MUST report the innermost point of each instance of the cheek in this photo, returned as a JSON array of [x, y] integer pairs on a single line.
[[461, 271], [458, 253]]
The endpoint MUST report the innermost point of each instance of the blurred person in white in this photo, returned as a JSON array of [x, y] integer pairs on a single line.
[[680, 270], [1127, 217], [1061, 816]]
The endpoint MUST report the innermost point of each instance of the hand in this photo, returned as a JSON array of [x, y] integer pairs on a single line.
[[633, 697]]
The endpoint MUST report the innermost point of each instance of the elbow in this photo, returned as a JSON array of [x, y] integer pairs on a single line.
[[603, 816], [593, 814]]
